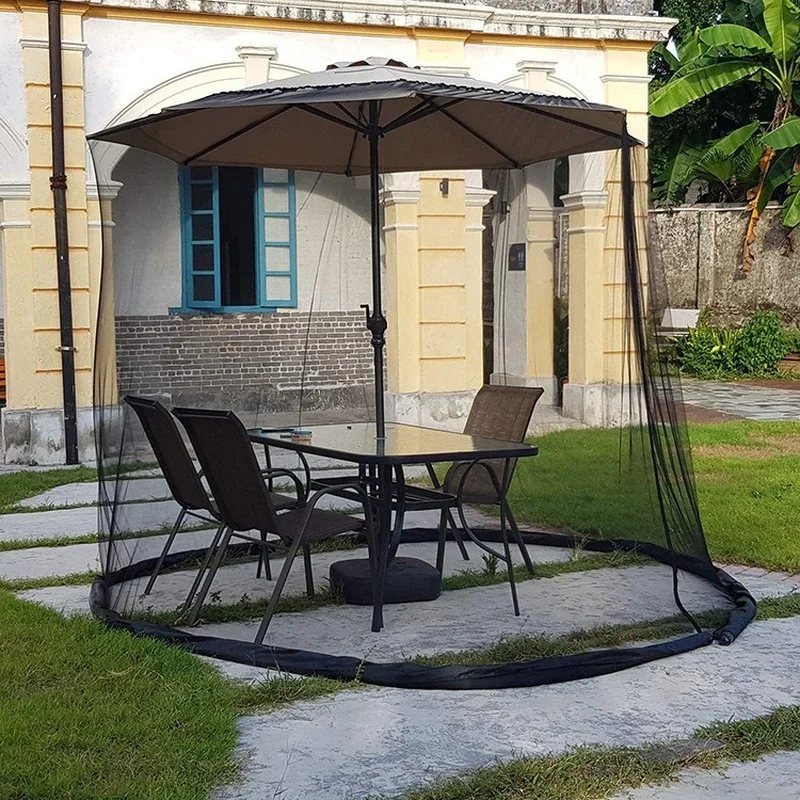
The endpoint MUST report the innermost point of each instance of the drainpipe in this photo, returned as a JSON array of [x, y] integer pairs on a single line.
[[58, 184]]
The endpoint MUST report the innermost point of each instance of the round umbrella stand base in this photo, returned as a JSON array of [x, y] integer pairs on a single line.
[[408, 580]]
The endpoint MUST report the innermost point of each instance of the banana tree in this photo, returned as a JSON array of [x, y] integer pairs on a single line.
[[766, 53]]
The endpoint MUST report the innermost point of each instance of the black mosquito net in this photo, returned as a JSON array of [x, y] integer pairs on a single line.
[[239, 289]]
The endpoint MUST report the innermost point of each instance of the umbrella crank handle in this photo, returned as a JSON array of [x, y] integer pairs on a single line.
[[376, 325]]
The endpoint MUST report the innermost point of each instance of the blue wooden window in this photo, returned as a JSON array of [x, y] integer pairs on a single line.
[[201, 240], [228, 265], [278, 246]]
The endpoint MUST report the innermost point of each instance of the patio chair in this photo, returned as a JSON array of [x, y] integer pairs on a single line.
[[498, 412], [223, 448], [183, 480]]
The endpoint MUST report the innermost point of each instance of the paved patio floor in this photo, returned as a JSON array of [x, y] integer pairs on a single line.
[[383, 741], [743, 400]]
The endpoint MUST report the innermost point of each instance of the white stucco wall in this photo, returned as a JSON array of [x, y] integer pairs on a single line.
[[332, 237], [13, 159], [146, 235], [129, 57]]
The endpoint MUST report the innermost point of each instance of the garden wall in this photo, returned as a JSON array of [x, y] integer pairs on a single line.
[[700, 248]]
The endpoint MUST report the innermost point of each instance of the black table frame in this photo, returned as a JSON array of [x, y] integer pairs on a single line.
[[380, 467]]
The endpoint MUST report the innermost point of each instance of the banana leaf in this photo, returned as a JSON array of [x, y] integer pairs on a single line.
[[787, 135], [782, 21], [791, 205], [734, 35], [703, 81]]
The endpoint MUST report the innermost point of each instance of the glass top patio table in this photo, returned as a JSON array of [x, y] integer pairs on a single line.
[[404, 444]]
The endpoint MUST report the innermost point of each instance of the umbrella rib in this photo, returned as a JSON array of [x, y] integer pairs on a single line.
[[235, 135], [581, 125], [425, 108], [477, 135], [325, 115], [348, 113]]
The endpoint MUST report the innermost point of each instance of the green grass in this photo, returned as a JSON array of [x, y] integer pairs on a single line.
[[529, 647], [748, 482], [16, 486], [588, 773], [88, 713]]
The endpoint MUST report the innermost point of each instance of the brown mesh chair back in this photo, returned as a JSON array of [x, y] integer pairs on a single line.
[[170, 452], [223, 449], [498, 412], [502, 412]]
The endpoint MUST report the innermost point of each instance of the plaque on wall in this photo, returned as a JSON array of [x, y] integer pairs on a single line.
[[516, 258]]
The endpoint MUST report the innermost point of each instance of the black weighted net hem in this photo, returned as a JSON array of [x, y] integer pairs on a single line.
[[233, 281]]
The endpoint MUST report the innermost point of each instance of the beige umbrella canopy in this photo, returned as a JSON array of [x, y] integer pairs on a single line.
[[375, 116]]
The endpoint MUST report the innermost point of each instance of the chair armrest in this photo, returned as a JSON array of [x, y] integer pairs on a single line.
[[302, 491], [320, 493]]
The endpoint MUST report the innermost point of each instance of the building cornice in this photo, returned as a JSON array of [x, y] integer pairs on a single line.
[[450, 17]]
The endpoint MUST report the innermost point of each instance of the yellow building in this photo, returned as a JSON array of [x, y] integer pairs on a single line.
[[123, 59]]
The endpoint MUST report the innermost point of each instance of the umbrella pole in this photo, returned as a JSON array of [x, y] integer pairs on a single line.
[[376, 322]]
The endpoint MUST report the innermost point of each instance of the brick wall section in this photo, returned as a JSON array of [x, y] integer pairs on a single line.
[[2, 338], [251, 360]]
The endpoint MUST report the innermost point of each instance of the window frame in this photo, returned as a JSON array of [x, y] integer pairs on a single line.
[[261, 214]]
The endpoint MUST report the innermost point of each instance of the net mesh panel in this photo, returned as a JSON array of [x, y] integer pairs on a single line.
[[622, 491]]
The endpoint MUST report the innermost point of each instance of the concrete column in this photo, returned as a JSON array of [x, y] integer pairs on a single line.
[[602, 357], [33, 419], [586, 242], [401, 254], [540, 286]]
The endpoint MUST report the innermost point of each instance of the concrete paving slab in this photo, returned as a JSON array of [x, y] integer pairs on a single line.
[[43, 562], [776, 776], [751, 402], [236, 580], [384, 741], [154, 488], [79, 521], [479, 617]]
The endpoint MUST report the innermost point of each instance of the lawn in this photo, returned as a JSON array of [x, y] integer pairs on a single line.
[[88, 713], [748, 484]]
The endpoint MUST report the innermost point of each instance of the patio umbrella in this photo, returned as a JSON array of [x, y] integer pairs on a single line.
[[369, 117]]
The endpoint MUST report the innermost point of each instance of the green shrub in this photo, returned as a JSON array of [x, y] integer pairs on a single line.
[[792, 340], [707, 351], [753, 350], [761, 345]]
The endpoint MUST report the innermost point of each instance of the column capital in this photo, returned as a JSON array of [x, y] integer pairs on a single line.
[[589, 198], [257, 61]]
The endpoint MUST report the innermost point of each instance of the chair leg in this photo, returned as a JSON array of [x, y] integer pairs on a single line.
[[276, 592], [212, 572], [509, 562], [263, 559], [457, 535], [518, 538], [309, 571], [170, 539], [443, 516], [212, 547], [397, 532]]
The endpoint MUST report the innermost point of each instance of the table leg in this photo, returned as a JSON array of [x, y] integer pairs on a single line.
[[382, 539]]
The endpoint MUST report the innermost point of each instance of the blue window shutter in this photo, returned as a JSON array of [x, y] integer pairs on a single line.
[[277, 239], [200, 237]]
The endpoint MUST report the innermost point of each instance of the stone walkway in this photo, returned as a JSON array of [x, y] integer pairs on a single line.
[[776, 776], [743, 400], [379, 740]]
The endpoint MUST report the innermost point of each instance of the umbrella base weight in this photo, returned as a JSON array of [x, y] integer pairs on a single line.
[[408, 580]]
